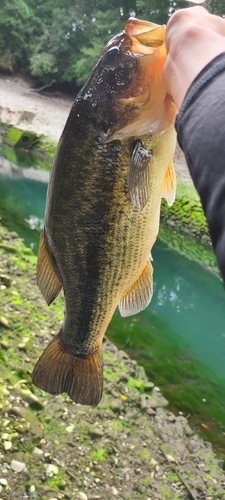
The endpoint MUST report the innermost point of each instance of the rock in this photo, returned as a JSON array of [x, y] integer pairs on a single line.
[[123, 377], [115, 405], [5, 344], [3, 481], [17, 466], [151, 412], [7, 445], [170, 458], [17, 411], [38, 451], [25, 345], [153, 462], [4, 321], [147, 401], [115, 492], [95, 433], [149, 386], [31, 399], [5, 436], [82, 495], [6, 280], [52, 470]]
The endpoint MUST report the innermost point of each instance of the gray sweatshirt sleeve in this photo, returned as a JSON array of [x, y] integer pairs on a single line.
[[200, 126]]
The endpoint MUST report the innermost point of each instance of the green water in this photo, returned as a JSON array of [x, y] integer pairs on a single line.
[[179, 338]]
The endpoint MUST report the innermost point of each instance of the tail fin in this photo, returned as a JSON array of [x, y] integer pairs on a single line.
[[58, 371]]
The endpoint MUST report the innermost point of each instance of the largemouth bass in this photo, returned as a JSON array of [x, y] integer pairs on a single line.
[[112, 167]]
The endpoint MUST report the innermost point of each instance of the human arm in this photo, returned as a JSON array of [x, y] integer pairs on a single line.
[[193, 38], [195, 77]]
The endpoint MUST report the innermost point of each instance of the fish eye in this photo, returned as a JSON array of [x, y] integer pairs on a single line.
[[112, 55]]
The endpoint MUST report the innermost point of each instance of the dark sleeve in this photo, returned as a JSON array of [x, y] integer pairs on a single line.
[[200, 126]]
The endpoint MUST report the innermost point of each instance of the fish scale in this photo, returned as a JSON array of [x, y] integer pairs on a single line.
[[103, 206]]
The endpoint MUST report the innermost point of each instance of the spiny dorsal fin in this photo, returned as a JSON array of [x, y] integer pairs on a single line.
[[59, 371], [139, 295], [139, 176], [169, 185], [47, 279]]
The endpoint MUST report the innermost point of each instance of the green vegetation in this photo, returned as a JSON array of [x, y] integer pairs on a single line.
[[172, 365], [187, 211], [57, 41], [26, 149], [98, 454]]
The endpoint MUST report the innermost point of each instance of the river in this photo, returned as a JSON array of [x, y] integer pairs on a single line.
[[179, 338]]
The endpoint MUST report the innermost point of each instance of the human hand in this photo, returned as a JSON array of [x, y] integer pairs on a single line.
[[193, 38]]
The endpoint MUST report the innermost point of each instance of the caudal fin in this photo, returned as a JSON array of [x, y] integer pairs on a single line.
[[58, 371]]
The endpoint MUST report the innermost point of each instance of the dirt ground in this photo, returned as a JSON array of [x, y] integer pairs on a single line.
[[46, 113]]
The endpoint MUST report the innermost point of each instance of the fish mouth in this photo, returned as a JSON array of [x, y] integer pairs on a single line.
[[145, 36]]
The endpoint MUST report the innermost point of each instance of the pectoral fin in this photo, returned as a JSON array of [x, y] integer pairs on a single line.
[[139, 176], [169, 185], [47, 274], [139, 295]]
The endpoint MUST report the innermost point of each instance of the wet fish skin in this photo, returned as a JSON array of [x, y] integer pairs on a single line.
[[96, 242]]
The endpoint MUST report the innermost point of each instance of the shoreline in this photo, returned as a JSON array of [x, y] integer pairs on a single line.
[[23, 107], [129, 447]]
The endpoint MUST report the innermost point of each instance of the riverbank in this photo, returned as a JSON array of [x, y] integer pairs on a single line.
[[129, 447], [46, 113]]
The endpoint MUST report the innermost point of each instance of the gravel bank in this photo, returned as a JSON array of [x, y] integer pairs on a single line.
[[129, 447]]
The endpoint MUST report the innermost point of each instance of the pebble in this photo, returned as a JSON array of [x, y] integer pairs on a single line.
[[4, 321], [115, 405], [5, 344], [95, 433], [31, 399], [25, 345], [153, 462], [170, 458], [5, 436], [7, 445], [149, 386], [3, 481], [52, 470], [114, 491], [82, 495], [17, 466], [6, 280], [38, 451]]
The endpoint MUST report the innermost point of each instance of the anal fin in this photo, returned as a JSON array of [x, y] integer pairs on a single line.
[[169, 185], [47, 278], [57, 371], [139, 295]]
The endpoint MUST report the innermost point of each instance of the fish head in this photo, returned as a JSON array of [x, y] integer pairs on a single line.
[[126, 91]]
